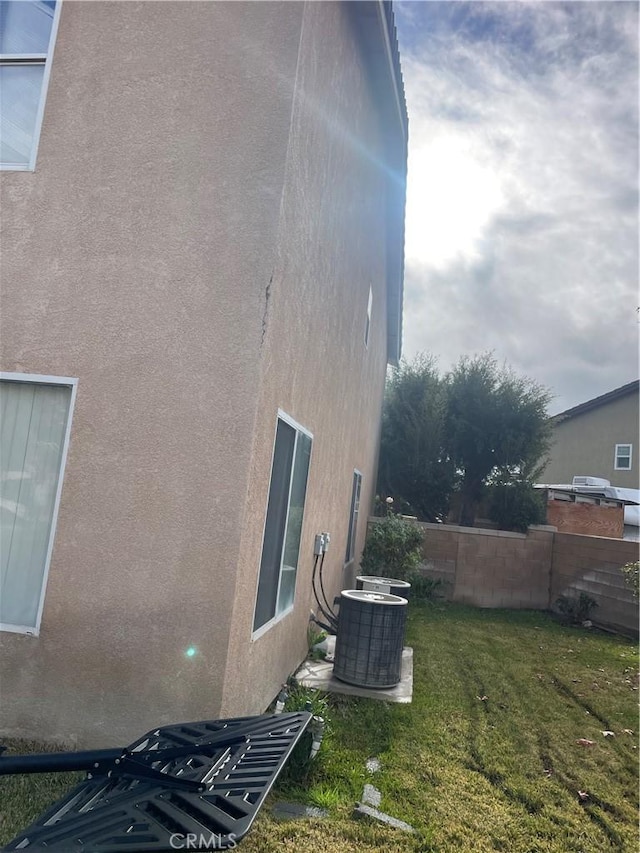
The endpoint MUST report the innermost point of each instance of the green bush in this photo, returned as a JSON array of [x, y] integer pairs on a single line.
[[515, 506], [575, 611], [424, 588], [631, 573], [392, 548]]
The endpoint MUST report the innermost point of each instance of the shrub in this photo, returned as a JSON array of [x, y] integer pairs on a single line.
[[631, 572], [574, 610], [392, 548], [424, 588], [515, 506], [300, 765], [301, 698]]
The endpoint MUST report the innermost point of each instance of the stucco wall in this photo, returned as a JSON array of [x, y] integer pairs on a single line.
[[315, 366], [585, 444], [137, 258]]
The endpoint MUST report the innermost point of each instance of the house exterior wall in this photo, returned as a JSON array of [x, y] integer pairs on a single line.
[[197, 263], [315, 366], [136, 258], [585, 444]]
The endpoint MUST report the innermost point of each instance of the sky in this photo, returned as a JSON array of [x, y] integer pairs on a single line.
[[522, 197]]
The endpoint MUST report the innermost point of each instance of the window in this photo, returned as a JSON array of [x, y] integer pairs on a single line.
[[353, 516], [35, 420], [283, 526], [27, 34], [623, 457], [367, 327]]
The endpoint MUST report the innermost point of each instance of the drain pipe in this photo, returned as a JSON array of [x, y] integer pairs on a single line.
[[280, 701], [317, 733]]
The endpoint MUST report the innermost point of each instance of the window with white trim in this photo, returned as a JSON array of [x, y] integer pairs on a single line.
[[27, 35], [283, 525], [353, 516], [623, 457], [35, 420]]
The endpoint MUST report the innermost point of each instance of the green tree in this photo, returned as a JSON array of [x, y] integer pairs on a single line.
[[516, 505], [497, 428], [414, 468]]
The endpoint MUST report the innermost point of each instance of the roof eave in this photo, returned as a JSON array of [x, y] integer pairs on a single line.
[[395, 267], [596, 402]]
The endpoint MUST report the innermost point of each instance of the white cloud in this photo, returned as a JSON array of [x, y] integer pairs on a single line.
[[522, 202], [451, 199]]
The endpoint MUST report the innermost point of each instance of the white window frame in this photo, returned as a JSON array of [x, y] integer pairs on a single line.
[[367, 326], [617, 455], [281, 416], [354, 514], [72, 383], [45, 59]]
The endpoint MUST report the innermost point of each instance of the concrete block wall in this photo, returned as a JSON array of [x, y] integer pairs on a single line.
[[490, 568], [440, 554], [496, 568], [591, 564]]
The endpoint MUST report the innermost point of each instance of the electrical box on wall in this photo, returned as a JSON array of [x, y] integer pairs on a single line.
[[321, 543]]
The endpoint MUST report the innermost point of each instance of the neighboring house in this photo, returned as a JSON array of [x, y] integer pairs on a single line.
[[598, 438], [203, 209]]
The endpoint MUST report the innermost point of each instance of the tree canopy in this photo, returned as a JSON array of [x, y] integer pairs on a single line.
[[476, 425], [414, 467]]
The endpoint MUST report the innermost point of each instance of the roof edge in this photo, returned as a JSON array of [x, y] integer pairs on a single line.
[[395, 273], [596, 402]]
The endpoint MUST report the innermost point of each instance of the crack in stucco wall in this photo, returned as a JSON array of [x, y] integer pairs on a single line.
[[267, 295]]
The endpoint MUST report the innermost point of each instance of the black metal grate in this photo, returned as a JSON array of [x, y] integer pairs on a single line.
[[236, 761]]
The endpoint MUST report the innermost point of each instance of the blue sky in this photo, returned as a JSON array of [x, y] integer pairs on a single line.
[[522, 206]]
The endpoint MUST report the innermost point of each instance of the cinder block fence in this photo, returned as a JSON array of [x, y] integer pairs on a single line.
[[496, 568]]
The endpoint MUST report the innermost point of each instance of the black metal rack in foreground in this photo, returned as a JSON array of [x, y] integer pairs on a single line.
[[187, 786]]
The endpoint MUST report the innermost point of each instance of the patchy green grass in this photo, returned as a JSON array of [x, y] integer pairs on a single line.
[[23, 798], [485, 758]]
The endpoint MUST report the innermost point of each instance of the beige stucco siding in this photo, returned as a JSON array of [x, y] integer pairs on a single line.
[[137, 258], [585, 444], [315, 366]]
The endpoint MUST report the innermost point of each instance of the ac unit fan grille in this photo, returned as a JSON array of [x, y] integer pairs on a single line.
[[370, 639]]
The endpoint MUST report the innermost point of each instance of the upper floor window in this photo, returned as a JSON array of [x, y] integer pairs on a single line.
[[623, 457], [367, 326], [27, 34], [353, 517]]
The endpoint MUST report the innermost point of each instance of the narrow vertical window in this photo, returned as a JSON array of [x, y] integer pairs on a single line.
[[367, 326], [283, 526], [623, 457], [34, 425], [353, 516], [27, 34]]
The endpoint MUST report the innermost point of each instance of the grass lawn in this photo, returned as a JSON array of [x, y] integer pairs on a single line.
[[485, 758]]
